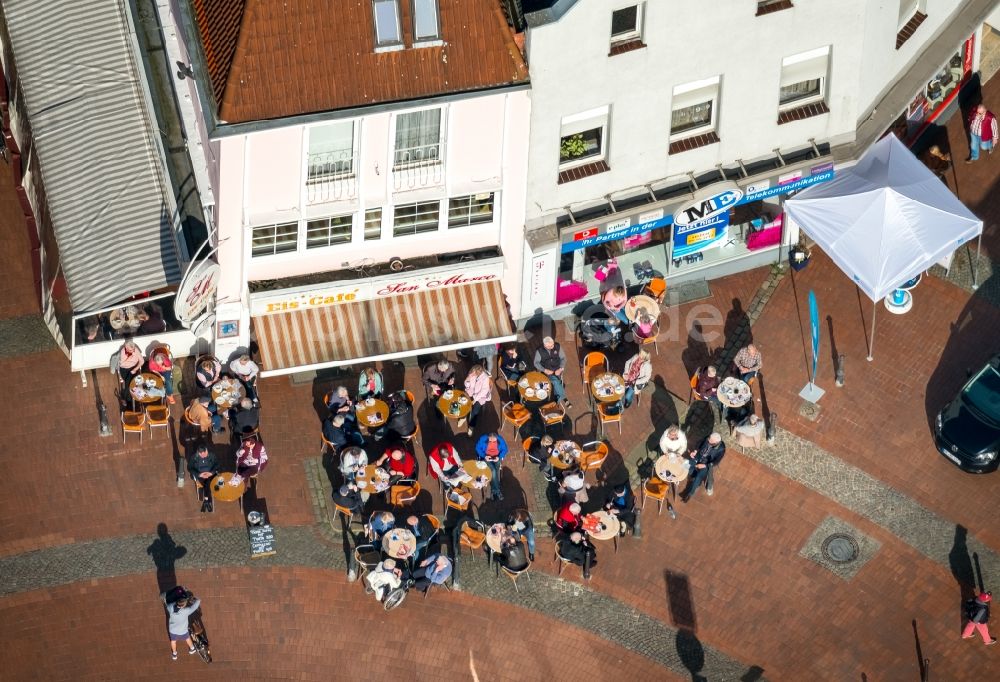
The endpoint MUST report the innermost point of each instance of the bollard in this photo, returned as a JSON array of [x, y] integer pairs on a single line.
[[772, 426], [637, 526], [456, 534], [840, 369], [102, 413], [352, 568]]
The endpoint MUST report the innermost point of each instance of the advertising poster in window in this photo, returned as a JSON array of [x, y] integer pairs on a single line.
[[704, 234]]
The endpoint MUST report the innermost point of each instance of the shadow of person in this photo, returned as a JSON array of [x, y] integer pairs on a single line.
[[164, 553], [696, 355], [960, 564], [736, 321], [691, 653]]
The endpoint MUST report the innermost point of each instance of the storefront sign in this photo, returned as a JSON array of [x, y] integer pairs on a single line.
[[363, 290], [701, 235], [197, 291], [712, 205], [792, 186], [621, 233]]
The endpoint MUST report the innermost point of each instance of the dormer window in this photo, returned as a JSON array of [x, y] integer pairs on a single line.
[[426, 26], [388, 35]]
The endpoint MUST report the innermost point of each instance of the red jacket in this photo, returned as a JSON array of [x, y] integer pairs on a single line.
[[441, 456], [986, 129], [567, 521], [405, 467]]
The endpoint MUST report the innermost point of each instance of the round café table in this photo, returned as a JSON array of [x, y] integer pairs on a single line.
[[460, 398], [534, 387], [146, 388], [374, 479], [565, 453], [226, 396], [672, 468], [733, 392], [371, 416], [224, 490], [610, 527], [125, 319], [494, 540], [399, 543], [607, 387], [475, 469], [638, 303]]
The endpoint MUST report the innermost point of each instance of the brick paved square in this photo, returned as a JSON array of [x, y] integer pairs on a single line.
[[865, 546]]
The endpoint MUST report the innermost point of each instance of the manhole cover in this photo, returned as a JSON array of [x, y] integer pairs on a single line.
[[840, 548]]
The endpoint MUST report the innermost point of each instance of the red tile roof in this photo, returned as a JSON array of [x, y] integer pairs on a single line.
[[270, 59]]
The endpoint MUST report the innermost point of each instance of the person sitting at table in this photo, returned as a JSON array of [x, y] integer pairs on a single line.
[[203, 467], [644, 326], [161, 364], [707, 386], [614, 300], [709, 454], [568, 518], [576, 549], [151, 320], [520, 524], [251, 458], [479, 386], [353, 461], [750, 432], [674, 442], [438, 377], [638, 371], [380, 524], [748, 362], [401, 422], [492, 448], [349, 497], [573, 485], [246, 370], [550, 359], [446, 465], [384, 578], [401, 463], [512, 555], [339, 402], [511, 362], [246, 418], [369, 384], [200, 411], [209, 371], [130, 361], [422, 530], [621, 502], [341, 432], [434, 570], [540, 453]]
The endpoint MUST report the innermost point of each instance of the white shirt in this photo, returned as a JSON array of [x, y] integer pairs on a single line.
[[351, 460], [678, 446], [573, 482], [248, 370]]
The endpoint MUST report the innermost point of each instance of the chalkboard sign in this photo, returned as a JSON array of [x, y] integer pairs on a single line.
[[261, 541]]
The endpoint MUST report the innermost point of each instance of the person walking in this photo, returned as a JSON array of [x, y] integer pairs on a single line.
[[983, 132], [178, 612], [978, 612]]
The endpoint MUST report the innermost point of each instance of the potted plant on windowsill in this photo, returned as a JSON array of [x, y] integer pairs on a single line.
[[572, 147]]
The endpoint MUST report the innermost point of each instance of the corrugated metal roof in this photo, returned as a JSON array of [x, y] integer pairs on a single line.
[[105, 185]]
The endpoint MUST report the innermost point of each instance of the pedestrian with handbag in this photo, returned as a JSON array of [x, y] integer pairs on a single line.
[[978, 612]]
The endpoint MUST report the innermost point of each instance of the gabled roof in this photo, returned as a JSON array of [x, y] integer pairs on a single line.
[[269, 59]]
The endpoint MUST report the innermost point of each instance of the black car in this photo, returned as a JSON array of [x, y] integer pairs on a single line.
[[967, 430]]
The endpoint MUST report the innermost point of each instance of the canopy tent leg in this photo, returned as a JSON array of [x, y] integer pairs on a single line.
[[975, 269], [871, 342]]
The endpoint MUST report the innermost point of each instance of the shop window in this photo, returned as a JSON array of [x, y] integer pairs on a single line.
[[387, 31], [694, 112], [331, 152], [418, 139], [425, 20], [417, 218], [583, 138], [803, 79], [270, 240], [329, 231], [626, 24], [475, 209], [373, 224]]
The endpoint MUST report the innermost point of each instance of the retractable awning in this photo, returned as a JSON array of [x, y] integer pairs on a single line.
[[384, 328]]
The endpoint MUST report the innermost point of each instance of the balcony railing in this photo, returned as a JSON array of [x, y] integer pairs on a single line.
[[331, 177]]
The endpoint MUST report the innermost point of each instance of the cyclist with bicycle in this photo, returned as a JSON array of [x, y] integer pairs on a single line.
[[180, 604]]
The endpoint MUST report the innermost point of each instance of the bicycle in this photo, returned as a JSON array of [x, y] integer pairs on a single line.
[[196, 630]]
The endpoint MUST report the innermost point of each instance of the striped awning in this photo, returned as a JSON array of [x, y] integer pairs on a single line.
[[398, 326]]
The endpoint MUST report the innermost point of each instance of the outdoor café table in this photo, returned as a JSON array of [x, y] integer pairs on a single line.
[[399, 543], [610, 526], [565, 453], [146, 387], [608, 387], [226, 396], [458, 398], [372, 416], [672, 468], [734, 392], [494, 538], [224, 490], [373, 479], [125, 319], [637, 303], [477, 469], [534, 387]]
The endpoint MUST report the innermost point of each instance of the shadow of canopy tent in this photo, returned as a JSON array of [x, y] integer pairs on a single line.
[[885, 220], [386, 326]]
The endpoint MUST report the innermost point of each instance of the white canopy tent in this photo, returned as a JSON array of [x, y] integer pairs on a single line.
[[884, 220]]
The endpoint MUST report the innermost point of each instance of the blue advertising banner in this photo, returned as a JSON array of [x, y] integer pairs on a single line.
[[814, 328], [700, 235], [793, 186], [621, 233]]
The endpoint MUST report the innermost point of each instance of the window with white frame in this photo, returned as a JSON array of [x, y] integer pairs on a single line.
[[803, 78], [387, 30], [694, 108], [418, 138], [269, 240], [373, 224], [425, 20], [583, 138], [324, 232], [626, 24], [416, 218], [474, 209], [331, 151]]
